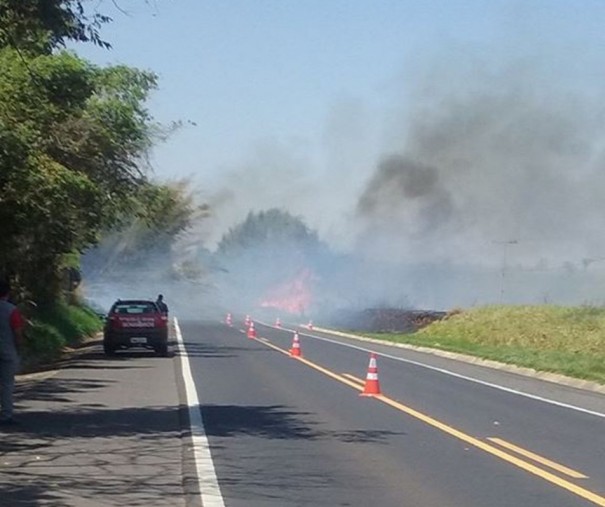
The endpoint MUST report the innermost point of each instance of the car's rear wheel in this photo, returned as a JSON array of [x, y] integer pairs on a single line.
[[108, 349], [162, 350]]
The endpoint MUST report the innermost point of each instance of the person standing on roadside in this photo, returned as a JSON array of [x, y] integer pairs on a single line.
[[11, 338], [163, 307]]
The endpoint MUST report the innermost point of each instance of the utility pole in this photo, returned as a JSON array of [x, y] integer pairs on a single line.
[[505, 244]]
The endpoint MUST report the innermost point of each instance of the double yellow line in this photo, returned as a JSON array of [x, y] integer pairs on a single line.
[[357, 384]]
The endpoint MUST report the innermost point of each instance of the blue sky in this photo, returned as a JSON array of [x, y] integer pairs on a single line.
[[246, 71], [295, 102]]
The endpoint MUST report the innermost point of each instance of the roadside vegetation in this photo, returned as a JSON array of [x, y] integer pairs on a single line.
[[55, 328], [565, 340], [74, 139]]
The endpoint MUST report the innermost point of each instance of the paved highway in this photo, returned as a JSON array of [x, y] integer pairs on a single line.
[[229, 421], [290, 432]]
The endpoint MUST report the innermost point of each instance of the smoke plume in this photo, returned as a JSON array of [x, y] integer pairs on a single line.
[[485, 187], [504, 159]]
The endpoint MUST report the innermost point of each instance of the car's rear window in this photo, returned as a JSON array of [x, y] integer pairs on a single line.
[[134, 308]]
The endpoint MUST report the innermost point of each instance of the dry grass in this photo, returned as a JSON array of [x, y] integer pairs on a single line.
[[565, 340]]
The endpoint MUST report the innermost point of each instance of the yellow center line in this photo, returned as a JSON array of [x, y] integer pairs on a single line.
[[538, 459], [353, 378], [266, 342], [528, 467], [335, 376], [490, 449]]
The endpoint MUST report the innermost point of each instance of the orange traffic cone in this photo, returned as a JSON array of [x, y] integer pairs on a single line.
[[295, 350], [251, 331], [277, 322], [229, 320], [247, 321], [372, 385]]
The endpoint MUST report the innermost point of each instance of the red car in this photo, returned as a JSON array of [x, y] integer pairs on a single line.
[[135, 323]]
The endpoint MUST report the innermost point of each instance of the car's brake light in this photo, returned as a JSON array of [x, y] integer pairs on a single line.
[[116, 323], [161, 321]]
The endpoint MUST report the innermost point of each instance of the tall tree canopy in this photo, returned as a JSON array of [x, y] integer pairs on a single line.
[[73, 140], [271, 229], [145, 242], [265, 251], [39, 26]]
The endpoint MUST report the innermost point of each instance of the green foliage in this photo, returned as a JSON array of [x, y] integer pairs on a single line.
[[164, 212], [44, 344], [41, 25], [267, 229], [168, 209], [71, 139], [55, 327], [266, 252], [73, 322]]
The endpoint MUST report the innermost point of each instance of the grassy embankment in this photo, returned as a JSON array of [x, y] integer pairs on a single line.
[[50, 331], [570, 341]]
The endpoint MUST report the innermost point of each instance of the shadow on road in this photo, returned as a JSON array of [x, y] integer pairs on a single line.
[[88, 356], [102, 431], [128, 456], [284, 464], [223, 351], [94, 421], [277, 422], [58, 389]]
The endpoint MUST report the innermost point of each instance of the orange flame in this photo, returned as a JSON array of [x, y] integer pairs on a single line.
[[293, 296]]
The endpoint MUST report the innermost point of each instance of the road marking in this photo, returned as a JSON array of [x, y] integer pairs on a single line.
[[538, 459], [458, 375], [460, 435], [266, 342], [321, 369], [353, 378], [528, 467], [331, 374], [209, 489]]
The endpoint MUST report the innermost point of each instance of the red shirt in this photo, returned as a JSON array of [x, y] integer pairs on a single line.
[[16, 320]]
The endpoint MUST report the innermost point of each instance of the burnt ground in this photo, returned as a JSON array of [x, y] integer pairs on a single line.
[[385, 319]]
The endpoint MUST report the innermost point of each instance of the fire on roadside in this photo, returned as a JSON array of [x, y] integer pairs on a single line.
[[293, 296]]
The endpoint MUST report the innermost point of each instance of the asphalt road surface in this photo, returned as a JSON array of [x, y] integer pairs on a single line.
[[289, 432], [233, 421]]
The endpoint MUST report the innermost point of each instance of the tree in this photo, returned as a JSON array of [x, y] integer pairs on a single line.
[[272, 229], [72, 136], [146, 238], [266, 252], [73, 143], [39, 26]]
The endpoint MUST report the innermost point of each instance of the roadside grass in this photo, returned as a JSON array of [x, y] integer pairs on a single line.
[[55, 328], [565, 340]]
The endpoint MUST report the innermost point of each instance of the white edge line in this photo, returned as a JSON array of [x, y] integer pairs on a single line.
[[454, 374], [210, 491]]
